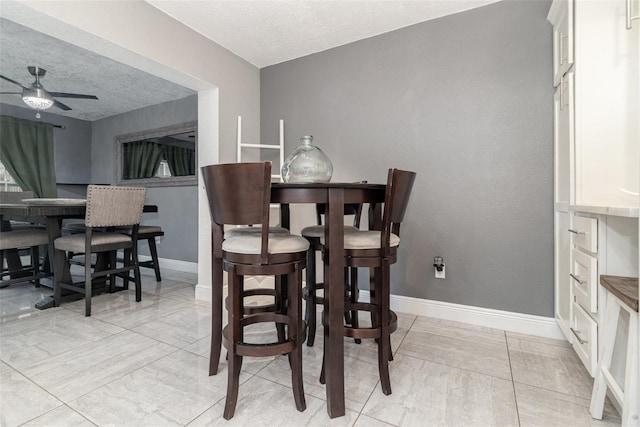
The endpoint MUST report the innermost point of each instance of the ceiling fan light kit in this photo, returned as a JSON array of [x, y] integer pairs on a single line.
[[38, 98]]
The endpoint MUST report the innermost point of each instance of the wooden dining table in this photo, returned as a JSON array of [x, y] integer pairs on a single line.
[[53, 211], [335, 196]]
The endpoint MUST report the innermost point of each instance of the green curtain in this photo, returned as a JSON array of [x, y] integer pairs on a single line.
[[141, 159], [26, 151], [181, 161]]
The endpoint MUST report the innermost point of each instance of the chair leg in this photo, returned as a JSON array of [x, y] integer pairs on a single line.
[[234, 361], [353, 296], [59, 261], [295, 334], [154, 257], [87, 288], [233, 383], [112, 277], [384, 343], [630, 406], [127, 261], [35, 262], [216, 317], [281, 306], [136, 274], [310, 296], [322, 378]]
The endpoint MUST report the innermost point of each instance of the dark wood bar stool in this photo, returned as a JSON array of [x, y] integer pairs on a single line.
[[239, 194], [378, 249]]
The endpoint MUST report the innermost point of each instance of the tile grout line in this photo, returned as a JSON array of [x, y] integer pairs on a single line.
[[513, 383]]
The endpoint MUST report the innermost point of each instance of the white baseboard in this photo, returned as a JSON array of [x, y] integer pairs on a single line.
[[173, 264], [497, 319], [203, 293]]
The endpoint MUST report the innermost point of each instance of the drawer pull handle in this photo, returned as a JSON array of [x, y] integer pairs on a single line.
[[576, 231], [580, 340], [577, 279]]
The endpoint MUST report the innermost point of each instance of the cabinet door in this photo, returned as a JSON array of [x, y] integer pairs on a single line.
[[562, 280], [561, 17], [607, 100], [564, 141]]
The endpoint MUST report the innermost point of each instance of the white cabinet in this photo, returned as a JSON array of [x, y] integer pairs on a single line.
[[596, 72], [607, 96], [606, 244]]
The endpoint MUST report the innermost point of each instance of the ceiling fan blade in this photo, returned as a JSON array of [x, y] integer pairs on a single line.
[[12, 81], [10, 93], [72, 95], [60, 105]]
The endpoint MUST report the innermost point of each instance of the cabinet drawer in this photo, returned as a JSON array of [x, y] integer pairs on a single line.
[[585, 334], [585, 233], [584, 279]]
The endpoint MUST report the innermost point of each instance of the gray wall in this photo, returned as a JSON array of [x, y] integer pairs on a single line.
[[177, 206], [72, 145], [466, 102]]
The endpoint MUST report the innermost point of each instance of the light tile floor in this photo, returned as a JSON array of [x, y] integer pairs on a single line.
[[146, 364]]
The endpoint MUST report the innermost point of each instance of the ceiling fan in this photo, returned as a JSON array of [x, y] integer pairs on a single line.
[[37, 97]]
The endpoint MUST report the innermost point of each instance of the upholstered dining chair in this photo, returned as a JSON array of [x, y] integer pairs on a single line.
[[239, 194], [314, 234], [107, 206], [146, 233], [378, 249]]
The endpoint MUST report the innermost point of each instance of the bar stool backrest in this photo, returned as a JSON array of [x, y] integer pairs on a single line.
[[110, 206], [239, 194]]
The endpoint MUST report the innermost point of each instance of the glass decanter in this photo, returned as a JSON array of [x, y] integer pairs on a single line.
[[307, 163]]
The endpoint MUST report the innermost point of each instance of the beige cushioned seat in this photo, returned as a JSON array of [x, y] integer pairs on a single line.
[[24, 238], [278, 244], [366, 239], [75, 242]]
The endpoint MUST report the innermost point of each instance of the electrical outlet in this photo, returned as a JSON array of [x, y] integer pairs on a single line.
[[440, 274]]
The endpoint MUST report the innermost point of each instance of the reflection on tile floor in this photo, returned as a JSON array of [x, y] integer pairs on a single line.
[[146, 364]]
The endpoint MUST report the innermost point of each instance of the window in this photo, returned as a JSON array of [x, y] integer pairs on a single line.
[[7, 182]]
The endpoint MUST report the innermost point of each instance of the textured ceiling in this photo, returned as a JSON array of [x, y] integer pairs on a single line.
[[263, 32], [71, 69], [267, 32]]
